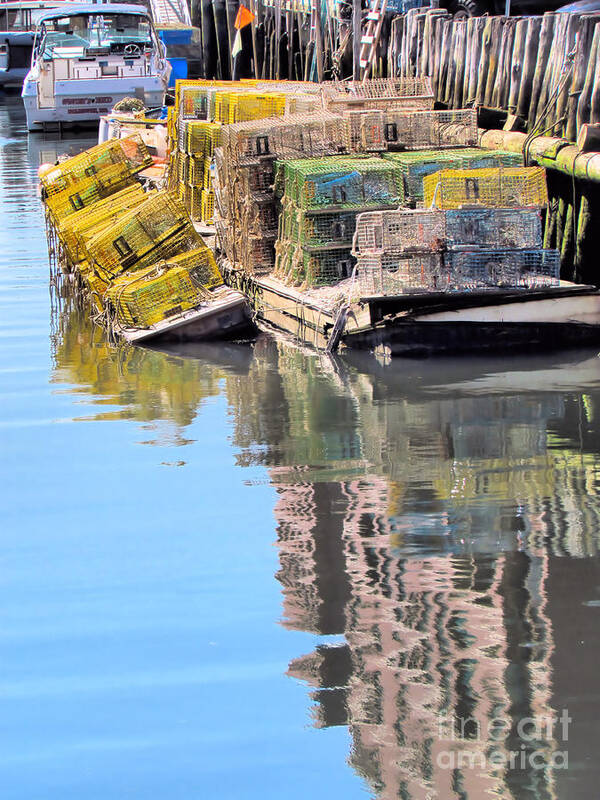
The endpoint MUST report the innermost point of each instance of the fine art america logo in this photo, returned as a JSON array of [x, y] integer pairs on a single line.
[[528, 743]]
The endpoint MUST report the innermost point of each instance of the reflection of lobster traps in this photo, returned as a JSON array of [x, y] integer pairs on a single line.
[[400, 231], [473, 269], [310, 135], [389, 274], [147, 296], [107, 162], [160, 228], [379, 93], [416, 165], [490, 188], [342, 182], [500, 228]]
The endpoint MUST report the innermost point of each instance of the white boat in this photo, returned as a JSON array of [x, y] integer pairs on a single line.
[[87, 58]]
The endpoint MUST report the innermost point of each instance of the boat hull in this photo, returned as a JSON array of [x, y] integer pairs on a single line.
[[84, 102], [434, 323], [222, 318], [539, 323]]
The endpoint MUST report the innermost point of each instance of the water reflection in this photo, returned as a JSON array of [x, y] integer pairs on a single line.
[[442, 518], [138, 383]]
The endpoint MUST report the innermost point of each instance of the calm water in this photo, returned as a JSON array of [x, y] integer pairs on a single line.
[[249, 571]]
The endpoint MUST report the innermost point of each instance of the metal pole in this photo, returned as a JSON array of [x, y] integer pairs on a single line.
[[356, 36]]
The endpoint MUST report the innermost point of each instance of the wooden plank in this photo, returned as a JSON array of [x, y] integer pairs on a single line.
[[460, 51], [517, 63], [493, 55], [566, 76], [585, 99], [545, 43], [584, 40], [484, 62], [534, 25]]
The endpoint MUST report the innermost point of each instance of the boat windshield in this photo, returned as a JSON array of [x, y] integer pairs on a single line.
[[90, 33]]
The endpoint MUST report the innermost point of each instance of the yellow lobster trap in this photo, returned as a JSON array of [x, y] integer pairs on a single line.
[[130, 154], [160, 228], [502, 187], [145, 297]]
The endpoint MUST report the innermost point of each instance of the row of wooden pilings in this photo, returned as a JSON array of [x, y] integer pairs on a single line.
[[544, 70]]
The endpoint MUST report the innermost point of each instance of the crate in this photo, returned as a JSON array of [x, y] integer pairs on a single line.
[[379, 93], [310, 135], [499, 228], [87, 191], [490, 188], [208, 206], [342, 182], [145, 297], [400, 231], [77, 229], [388, 274], [415, 165], [474, 269], [116, 157], [139, 233]]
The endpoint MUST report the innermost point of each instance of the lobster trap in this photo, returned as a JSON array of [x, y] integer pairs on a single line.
[[320, 229], [342, 182], [310, 135], [379, 93], [387, 274], [400, 231], [148, 296], [87, 191], [198, 138], [498, 228], [76, 230], [474, 269], [489, 188], [107, 163], [232, 106], [426, 130], [313, 267], [416, 165], [159, 228], [405, 230]]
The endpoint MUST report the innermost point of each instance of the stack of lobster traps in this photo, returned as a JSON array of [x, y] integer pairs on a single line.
[[134, 253], [321, 201], [452, 250]]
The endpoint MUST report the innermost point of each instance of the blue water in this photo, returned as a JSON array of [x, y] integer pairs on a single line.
[[249, 571]]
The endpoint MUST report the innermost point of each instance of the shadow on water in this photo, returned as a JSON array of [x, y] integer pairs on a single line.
[[442, 517]]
